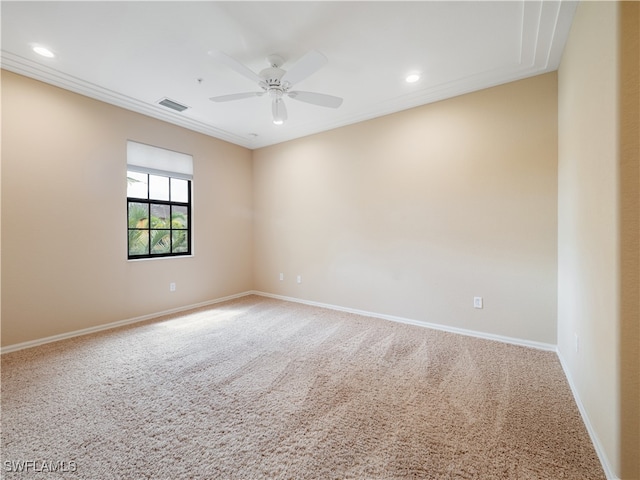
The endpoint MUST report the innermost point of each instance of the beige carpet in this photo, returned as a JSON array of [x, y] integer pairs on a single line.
[[258, 388]]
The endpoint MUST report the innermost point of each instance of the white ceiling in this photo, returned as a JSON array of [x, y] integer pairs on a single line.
[[133, 54]]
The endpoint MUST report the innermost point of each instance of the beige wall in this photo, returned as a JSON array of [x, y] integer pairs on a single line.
[[64, 264], [414, 214], [596, 218]]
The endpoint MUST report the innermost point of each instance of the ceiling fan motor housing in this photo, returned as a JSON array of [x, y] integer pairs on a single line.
[[272, 76]]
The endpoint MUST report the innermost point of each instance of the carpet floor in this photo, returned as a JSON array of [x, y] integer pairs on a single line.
[[257, 388]]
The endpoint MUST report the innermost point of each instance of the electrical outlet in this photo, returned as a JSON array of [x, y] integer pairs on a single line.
[[281, 276], [299, 279], [172, 287], [477, 302]]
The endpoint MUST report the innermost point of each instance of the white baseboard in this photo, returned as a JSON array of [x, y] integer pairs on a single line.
[[472, 333], [604, 460], [108, 326], [120, 323]]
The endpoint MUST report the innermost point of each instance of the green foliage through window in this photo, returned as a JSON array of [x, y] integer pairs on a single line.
[[158, 215]]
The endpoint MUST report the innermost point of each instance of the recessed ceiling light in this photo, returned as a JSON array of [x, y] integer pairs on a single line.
[[278, 121], [43, 51], [412, 78]]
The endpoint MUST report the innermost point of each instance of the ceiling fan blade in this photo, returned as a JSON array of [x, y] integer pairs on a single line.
[[236, 96], [279, 111], [235, 65], [320, 99], [310, 63]]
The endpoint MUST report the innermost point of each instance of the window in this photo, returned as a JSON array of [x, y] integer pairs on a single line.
[[158, 202]]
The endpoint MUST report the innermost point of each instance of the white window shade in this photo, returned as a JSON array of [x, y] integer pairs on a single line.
[[158, 161]]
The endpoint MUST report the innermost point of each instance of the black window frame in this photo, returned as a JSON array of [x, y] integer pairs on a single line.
[[170, 203]]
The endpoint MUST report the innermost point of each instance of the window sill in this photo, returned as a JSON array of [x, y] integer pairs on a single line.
[[153, 259]]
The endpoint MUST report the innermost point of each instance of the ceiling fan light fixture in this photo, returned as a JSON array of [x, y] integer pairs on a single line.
[[279, 111]]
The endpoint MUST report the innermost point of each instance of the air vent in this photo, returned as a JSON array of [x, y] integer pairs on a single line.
[[165, 102]]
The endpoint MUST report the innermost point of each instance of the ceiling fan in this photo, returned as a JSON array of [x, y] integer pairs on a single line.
[[277, 83]]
